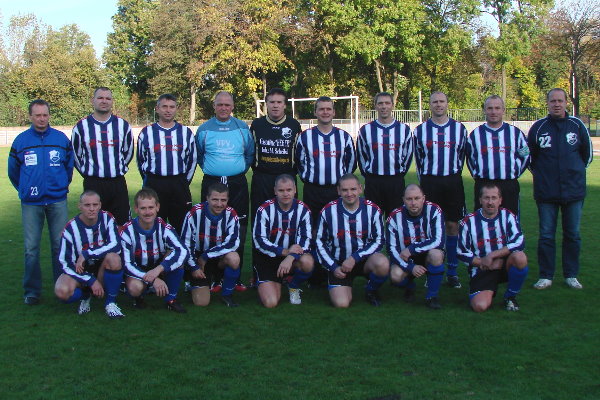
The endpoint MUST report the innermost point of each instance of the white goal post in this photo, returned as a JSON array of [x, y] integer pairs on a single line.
[[353, 109]]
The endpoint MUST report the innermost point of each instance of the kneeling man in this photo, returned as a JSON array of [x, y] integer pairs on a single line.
[[152, 252], [415, 239], [349, 238], [89, 255], [211, 233], [491, 243], [282, 235]]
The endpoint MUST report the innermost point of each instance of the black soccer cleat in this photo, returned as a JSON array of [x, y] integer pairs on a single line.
[[433, 303], [174, 305], [409, 295], [228, 301], [510, 304], [453, 281], [140, 303], [373, 298]]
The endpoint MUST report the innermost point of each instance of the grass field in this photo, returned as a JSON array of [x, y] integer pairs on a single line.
[[548, 350]]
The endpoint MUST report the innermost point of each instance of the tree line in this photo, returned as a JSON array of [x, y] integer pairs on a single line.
[[192, 48]]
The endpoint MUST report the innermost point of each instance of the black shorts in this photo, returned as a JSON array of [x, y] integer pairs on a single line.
[[174, 197], [238, 193], [385, 191], [265, 268], [510, 193], [262, 189], [486, 280], [358, 270], [316, 197], [92, 266], [209, 269], [447, 192], [113, 195]]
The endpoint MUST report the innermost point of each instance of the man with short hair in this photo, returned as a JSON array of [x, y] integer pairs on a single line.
[[491, 244], [497, 153], [274, 137], [166, 159], [384, 155], [225, 152], [90, 256], [561, 150], [324, 153], [349, 240], [415, 243], [211, 233], [103, 146], [152, 252], [440, 154], [282, 235], [40, 167]]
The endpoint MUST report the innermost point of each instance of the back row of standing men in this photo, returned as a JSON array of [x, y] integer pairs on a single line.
[[102, 147]]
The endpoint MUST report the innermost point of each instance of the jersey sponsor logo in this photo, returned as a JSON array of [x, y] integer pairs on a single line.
[[54, 156], [216, 238], [167, 147], [414, 239], [385, 146], [571, 138], [286, 132], [103, 143], [494, 149], [150, 252], [30, 159], [327, 154], [225, 145], [440, 143], [288, 231], [499, 241], [93, 245], [355, 234]]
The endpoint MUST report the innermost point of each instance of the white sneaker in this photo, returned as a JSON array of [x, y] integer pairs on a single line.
[[113, 311], [295, 296], [543, 284], [573, 283], [84, 306]]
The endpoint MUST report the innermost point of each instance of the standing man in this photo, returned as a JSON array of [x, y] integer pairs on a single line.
[[274, 136], [40, 167], [166, 158], [152, 253], [497, 153], [103, 146], [225, 152], [211, 234], [491, 244], [349, 240], [90, 256], [561, 150], [384, 155], [282, 235], [415, 243], [324, 153], [440, 154]]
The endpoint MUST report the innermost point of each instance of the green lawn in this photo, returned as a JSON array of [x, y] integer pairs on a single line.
[[548, 350]]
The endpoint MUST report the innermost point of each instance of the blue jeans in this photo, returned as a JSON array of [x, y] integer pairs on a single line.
[[548, 215], [33, 223]]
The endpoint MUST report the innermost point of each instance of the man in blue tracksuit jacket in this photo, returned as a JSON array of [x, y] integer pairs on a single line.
[[40, 167], [561, 150]]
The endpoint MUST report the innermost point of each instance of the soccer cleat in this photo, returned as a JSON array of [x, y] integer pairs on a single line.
[[32, 301], [573, 283], [409, 295], [240, 287], [295, 296], [84, 306], [216, 287], [373, 298], [510, 304], [433, 303], [113, 311], [453, 281], [139, 303], [543, 284], [187, 287], [228, 301], [174, 305]]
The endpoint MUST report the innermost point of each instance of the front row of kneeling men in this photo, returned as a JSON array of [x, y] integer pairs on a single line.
[[347, 242]]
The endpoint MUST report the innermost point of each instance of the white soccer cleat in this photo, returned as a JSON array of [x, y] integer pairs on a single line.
[[84, 306], [113, 311], [543, 284], [573, 283], [295, 296]]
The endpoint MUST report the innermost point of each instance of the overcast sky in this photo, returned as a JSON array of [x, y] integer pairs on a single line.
[[92, 16]]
